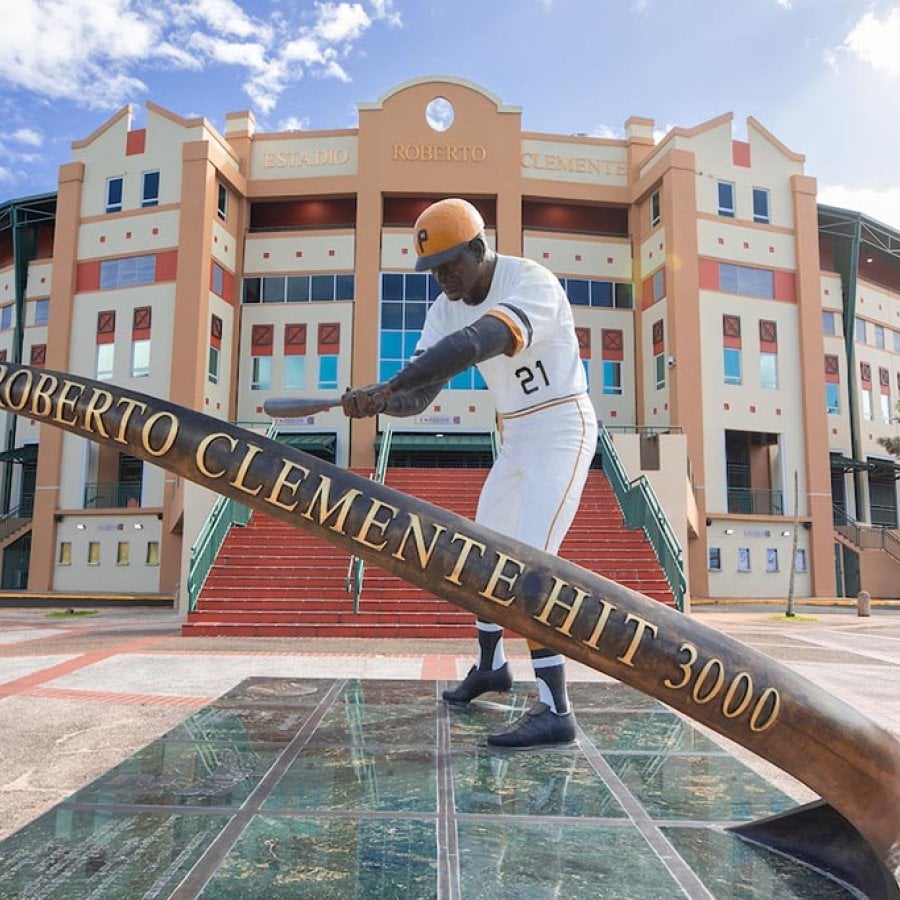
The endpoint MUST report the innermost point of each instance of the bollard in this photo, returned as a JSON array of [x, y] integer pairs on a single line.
[[863, 604]]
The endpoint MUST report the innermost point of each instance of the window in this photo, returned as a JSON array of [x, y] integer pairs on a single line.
[[218, 279], [772, 559], [328, 372], [897, 342], [800, 560], [885, 408], [127, 272], [41, 312], [715, 559], [65, 553], [768, 371], [879, 337], [299, 288], [104, 362], [743, 559], [866, 396], [859, 330], [731, 359], [93, 554], [659, 285], [588, 292], [612, 377], [659, 363], [294, 373], [405, 299], [150, 189], [140, 358], [152, 557], [6, 317], [212, 370], [761, 205], [726, 199], [828, 323], [654, 209], [832, 398], [747, 280], [123, 553], [114, 194], [261, 373], [222, 202], [215, 349]]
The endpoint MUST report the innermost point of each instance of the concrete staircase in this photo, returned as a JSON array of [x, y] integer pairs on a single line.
[[271, 580]]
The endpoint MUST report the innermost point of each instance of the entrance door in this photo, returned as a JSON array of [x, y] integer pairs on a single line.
[[851, 572], [14, 576], [838, 497], [883, 495], [29, 479]]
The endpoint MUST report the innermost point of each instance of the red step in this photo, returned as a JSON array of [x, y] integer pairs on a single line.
[[300, 590]]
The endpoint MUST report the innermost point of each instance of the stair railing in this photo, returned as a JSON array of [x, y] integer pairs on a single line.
[[353, 583], [641, 509], [866, 537], [205, 549], [17, 518]]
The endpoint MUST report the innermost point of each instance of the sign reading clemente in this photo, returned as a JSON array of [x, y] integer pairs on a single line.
[[728, 686]]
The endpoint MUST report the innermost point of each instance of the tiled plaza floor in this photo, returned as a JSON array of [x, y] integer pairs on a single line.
[[136, 763]]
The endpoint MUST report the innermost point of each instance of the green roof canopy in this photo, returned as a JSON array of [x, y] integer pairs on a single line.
[[26, 454], [437, 442], [309, 440]]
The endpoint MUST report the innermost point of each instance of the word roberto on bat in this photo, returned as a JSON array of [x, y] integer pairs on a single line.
[[852, 763]]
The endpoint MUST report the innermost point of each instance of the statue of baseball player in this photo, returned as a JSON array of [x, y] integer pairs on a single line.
[[511, 317]]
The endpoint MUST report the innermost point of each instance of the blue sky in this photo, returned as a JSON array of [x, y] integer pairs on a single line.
[[822, 75]]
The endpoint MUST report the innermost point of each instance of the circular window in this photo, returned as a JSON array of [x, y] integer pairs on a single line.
[[439, 114]]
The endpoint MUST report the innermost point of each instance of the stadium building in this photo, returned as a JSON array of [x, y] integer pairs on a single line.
[[742, 344]]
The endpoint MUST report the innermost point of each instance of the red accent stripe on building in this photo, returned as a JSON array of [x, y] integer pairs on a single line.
[[87, 276], [734, 343], [740, 153], [785, 286], [709, 275], [166, 265], [329, 338], [135, 141], [295, 340]]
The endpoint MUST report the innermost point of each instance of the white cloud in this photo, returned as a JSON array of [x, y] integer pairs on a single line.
[[92, 53], [339, 22], [876, 41], [27, 136], [786, 4], [607, 131], [883, 205], [293, 123]]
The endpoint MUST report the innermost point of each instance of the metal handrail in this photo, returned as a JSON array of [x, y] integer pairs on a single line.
[[642, 509], [866, 537], [111, 494], [18, 517], [353, 583], [205, 549]]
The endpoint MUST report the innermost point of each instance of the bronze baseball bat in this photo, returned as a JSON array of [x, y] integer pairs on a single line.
[[853, 763], [297, 407]]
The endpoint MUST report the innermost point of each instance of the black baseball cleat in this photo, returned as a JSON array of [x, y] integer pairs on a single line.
[[539, 727], [477, 683]]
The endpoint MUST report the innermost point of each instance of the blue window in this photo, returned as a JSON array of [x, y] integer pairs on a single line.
[[150, 189], [828, 322], [612, 376], [586, 365], [832, 398], [726, 199], [732, 362], [6, 317], [405, 299], [114, 194], [654, 209], [344, 287], [328, 372], [761, 205], [294, 373], [579, 291], [41, 312], [127, 272], [860, 331], [746, 280], [659, 285], [261, 373], [601, 293]]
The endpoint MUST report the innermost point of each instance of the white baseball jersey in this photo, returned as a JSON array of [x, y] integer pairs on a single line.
[[545, 365]]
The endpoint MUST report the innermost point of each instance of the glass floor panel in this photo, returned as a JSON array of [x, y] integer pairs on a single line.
[[333, 788]]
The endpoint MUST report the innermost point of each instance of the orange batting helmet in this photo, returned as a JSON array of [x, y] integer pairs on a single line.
[[443, 230]]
